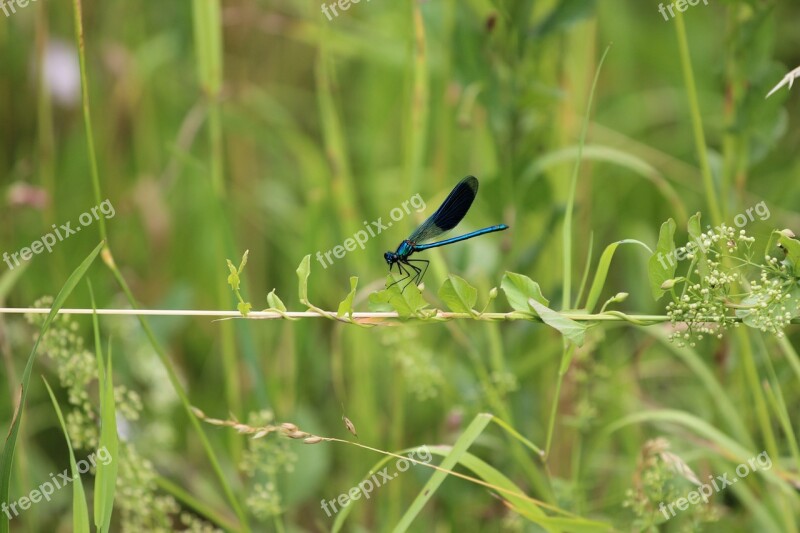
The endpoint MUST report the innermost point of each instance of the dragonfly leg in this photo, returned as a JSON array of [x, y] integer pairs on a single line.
[[402, 271], [417, 272], [424, 269]]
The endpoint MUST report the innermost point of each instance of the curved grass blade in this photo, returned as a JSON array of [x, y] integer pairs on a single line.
[[602, 271], [463, 443], [80, 512], [13, 432]]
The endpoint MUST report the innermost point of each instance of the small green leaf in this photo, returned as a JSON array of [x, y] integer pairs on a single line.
[[303, 272], [244, 261], [244, 308], [572, 331], [378, 301], [519, 288], [662, 263], [233, 277], [346, 307], [406, 303], [792, 249], [274, 302], [458, 295]]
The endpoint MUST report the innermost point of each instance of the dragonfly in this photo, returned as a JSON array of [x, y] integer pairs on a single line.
[[449, 214]]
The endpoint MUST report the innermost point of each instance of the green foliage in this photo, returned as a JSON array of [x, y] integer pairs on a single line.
[[233, 281], [572, 331], [458, 295], [723, 284], [519, 288], [11, 440], [294, 133]]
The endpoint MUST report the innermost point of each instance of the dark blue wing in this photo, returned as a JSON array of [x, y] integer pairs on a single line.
[[450, 213]]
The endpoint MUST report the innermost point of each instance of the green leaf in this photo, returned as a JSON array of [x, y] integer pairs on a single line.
[[244, 261], [233, 277], [13, 431], [406, 303], [274, 302], [244, 308], [519, 288], [602, 271], [303, 272], [80, 511], [572, 331], [346, 306], [378, 302], [792, 248], [458, 295], [662, 263], [750, 316]]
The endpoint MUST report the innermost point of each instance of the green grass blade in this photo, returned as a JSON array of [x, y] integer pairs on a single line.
[[87, 116], [566, 295], [106, 479], [80, 512], [13, 432], [463, 443], [602, 271]]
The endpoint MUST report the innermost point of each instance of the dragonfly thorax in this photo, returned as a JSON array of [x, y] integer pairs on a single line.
[[405, 249]]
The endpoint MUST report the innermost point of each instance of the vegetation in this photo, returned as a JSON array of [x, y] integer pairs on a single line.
[[622, 358]]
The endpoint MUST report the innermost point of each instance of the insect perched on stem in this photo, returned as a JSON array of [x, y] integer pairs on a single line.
[[449, 214]]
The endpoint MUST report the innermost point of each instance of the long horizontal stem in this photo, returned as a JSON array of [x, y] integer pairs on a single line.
[[611, 316]]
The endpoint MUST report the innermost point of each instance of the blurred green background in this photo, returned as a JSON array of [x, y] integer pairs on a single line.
[[264, 126]]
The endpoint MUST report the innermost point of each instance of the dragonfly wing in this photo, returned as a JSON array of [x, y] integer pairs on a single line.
[[450, 213]]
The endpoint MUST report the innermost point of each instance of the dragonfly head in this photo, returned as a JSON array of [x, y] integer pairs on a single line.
[[391, 258]]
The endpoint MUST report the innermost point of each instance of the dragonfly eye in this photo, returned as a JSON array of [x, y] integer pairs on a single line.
[[390, 258]]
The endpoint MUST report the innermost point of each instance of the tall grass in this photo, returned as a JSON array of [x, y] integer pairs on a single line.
[[217, 127]]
